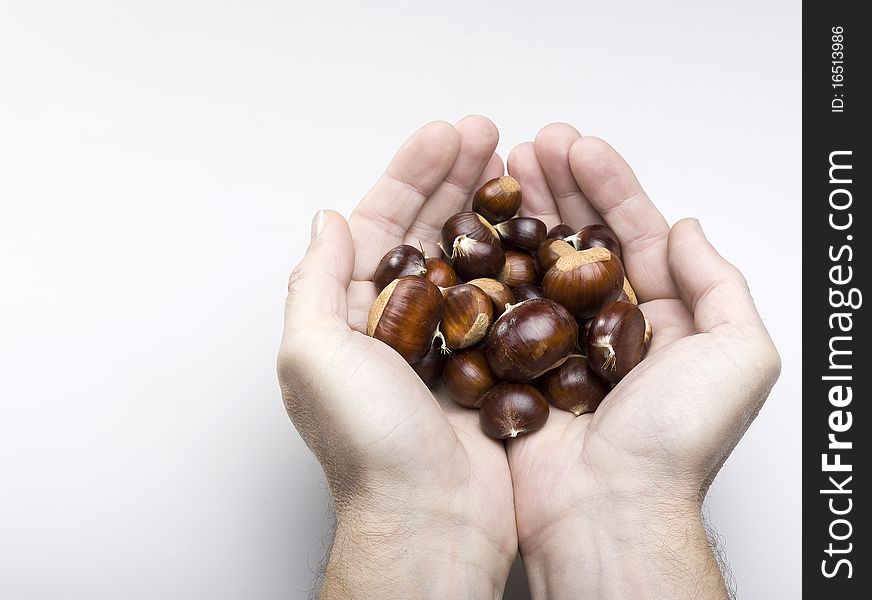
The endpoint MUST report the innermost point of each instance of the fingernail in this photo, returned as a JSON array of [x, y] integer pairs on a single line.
[[318, 223]]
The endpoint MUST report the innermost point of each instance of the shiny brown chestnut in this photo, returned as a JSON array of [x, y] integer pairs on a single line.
[[473, 259], [548, 253], [530, 338], [498, 199], [527, 292], [513, 409], [615, 340], [468, 377], [467, 315], [561, 231], [405, 316], [574, 386], [398, 262], [470, 225], [584, 281], [519, 269], [628, 294], [430, 368], [440, 272], [596, 236], [522, 233], [499, 293]]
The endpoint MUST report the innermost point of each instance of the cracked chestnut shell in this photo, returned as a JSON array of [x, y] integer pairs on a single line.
[[468, 224], [584, 281], [473, 259], [574, 386], [596, 236], [440, 272], [522, 233], [549, 251], [405, 316], [468, 377], [398, 262], [467, 315], [519, 269], [512, 409], [499, 293], [498, 199], [530, 338], [615, 340], [430, 368]]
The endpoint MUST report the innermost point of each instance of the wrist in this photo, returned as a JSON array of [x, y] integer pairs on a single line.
[[624, 548], [412, 554]]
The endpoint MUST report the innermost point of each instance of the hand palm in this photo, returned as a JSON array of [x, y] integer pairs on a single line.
[[429, 439], [370, 420], [670, 424]]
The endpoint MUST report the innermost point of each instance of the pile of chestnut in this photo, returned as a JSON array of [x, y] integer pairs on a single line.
[[516, 317]]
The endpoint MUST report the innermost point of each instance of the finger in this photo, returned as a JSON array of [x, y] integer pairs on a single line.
[[613, 190], [478, 140], [384, 215], [317, 287], [713, 289], [537, 200], [494, 169], [552, 150]]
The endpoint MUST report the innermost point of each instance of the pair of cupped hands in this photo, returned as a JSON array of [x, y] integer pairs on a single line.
[[605, 505]]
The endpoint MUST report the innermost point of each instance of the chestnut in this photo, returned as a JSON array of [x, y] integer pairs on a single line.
[[499, 293], [405, 316], [584, 281], [512, 409], [615, 340], [527, 292], [596, 236], [440, 272], [498, 199], [647, 337], [468, 377], [398, 262], [474, 259], [628, 294], [574, 386], [530, 338], [468, 224], [430, 368], [561, 231], [548, 253], [467, 315], [523, 233], [519, 269]]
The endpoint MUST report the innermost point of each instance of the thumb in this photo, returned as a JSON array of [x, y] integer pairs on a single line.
[[713, 289], [318, 285]]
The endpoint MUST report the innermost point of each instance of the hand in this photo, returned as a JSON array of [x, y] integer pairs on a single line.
[[608, 504], [423, 498]]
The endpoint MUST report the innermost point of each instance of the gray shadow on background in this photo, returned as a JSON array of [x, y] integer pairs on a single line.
[[517, 587]]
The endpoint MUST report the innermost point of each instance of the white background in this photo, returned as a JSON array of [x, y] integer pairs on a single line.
[[159, 166]]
